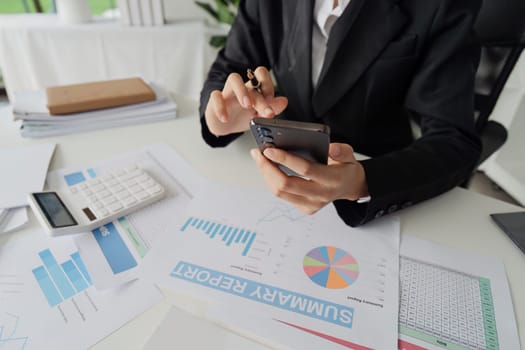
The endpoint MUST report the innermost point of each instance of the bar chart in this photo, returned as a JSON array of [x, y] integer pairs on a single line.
[[228, 235], [61, 281]]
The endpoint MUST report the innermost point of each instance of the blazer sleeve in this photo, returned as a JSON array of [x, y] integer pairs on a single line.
[[442, 96], [245, 48]]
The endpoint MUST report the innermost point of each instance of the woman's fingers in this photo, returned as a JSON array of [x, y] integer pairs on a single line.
[[235, 85], [263, 76]]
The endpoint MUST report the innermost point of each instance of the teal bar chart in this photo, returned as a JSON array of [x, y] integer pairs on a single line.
[[228, 235], [60, 282]]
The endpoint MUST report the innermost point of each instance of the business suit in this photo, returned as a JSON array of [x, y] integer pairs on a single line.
[[386, 60]]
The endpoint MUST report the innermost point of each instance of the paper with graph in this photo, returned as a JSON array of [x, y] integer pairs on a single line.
[[252, 251], [113, 251], [47, 299]]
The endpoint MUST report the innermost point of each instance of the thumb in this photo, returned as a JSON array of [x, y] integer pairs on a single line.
[[342, 152], [278, 104]]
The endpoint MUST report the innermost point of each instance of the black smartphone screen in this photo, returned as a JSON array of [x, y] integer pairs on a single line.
[[513, 224]]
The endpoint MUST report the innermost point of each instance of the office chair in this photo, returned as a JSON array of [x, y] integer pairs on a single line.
[[500, 27]]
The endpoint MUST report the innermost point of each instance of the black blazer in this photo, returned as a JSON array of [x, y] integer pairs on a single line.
[[386, 61]]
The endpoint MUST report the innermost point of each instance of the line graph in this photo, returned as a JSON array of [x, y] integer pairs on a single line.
[[8, 332]]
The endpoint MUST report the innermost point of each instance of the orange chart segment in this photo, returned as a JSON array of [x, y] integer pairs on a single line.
[[330, 267]]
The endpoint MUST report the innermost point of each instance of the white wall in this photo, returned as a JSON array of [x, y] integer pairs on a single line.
[[176, 10]]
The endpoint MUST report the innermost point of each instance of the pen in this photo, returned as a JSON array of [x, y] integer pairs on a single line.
[[256, 84]]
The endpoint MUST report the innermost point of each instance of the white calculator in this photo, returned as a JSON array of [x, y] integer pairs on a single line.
[[96, 202]]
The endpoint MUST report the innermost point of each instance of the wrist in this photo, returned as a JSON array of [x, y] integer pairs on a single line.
[[360, 190]]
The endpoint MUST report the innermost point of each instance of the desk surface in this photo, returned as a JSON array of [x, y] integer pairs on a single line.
[[457, 219]]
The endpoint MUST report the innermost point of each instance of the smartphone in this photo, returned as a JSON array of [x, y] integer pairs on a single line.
[[513, 224], [307, 140]]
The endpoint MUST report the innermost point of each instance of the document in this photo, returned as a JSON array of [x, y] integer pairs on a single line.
[[31, 108], [23, 171], [181, 330], [47, 298], [453, 300], [112, 254], [449, 300], [12, 219], [252, 252]]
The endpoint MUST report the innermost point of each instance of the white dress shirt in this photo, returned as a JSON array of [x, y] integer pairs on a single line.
[[325, 15]]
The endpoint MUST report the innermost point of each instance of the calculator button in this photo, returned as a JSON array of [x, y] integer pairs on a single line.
[[92, 199], [123, 194], [103, 212], [115, 207], [93, 182], [148, 184], [97, 205], [87, 192], [129, 201], [104, 194], [83, 186], [112, 182], [142, 195], [135, 189], [143, 178], [107, 177], [73, 190], [109, 200], [117, 188], [136, 173], [98, 188], [155, 189], [130, 183]]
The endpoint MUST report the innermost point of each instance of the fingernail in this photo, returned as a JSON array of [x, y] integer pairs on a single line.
[[269, 152], [336, 150], [254, 153], [246, 102], [268, 111]]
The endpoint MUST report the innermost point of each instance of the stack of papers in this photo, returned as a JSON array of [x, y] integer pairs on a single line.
[[31, 108], [23, 171]]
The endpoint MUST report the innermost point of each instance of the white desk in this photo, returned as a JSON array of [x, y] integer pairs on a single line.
[[457, 219], [36, 50], [507, 167]]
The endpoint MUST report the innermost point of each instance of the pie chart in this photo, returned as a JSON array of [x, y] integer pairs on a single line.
[[331, 267]]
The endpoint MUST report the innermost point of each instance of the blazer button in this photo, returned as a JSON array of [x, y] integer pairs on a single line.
[[380, 213], [392, 208], [406, 205]]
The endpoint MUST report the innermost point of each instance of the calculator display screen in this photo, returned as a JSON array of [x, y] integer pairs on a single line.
[[54, 209]]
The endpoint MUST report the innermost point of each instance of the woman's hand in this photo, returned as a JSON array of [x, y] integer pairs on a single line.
[[343, 177], [230, 110]]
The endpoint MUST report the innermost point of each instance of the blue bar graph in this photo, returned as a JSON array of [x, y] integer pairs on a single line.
[[225, 237], [210, 228], [57, 274], [47, 286], [238, 238], [229, 235], [60, 282], [248, 245], [80, 264], [232, 236], [74, 276]]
